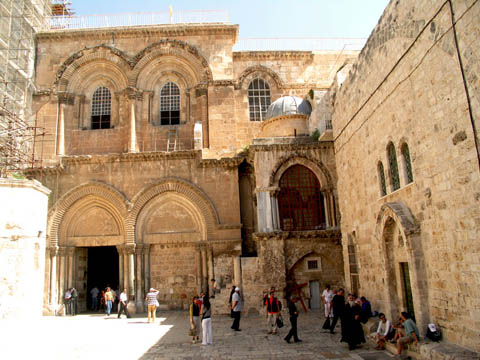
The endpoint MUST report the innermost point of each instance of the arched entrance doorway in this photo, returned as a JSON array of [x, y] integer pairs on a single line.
[[405, 273], [300, 201]]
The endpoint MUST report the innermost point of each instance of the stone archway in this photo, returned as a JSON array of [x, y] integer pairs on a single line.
[[171, 222], [403, 263], [91, 215]]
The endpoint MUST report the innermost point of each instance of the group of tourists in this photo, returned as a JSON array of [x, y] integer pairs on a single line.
[[109, 300], [356, 311]]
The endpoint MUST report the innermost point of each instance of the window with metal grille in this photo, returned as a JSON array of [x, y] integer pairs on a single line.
[[258, 99], [392, 160], [170, 104], [381, 176], [300, 201], [101, 108], [353, 266], [312, 264], [407, 164]]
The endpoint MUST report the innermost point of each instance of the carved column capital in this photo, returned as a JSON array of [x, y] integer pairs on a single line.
[[66, 98], [129, 249], [53, 250]]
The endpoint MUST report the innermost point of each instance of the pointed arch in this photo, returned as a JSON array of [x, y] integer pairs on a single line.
[[260, 71], [91, 192]]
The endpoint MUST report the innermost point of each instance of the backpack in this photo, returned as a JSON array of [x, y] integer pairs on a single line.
[[433, 334]]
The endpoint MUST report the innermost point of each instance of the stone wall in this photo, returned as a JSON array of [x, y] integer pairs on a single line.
[[23, 224], [407, 88]]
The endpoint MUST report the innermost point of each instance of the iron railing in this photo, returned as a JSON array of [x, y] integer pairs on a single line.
[[135, 19], [299, 44]]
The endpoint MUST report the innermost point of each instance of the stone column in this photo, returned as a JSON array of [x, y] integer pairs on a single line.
[[332, 208], [211, 275], [130, 276], [237, 271], [70, 252], [326, 206], [61, 275], [204, 270], [139, 294], [264, 211], [199, 268], [274, 206], [125, 269], [61, 127], [146, 261], [53, 275], [121, 270]]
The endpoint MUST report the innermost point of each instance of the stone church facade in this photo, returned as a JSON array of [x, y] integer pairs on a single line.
[[186, 161]]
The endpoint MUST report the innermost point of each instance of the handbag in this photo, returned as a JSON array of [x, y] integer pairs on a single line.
[[279, 322], [192, 332], [326, 324]]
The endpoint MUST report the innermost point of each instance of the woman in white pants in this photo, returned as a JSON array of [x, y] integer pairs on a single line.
[[206, 322]]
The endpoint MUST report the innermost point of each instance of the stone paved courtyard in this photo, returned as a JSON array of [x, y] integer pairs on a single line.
[[94, 336]]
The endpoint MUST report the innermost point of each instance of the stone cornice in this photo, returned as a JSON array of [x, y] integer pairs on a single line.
[[270, 55], [229, 163], [283, 117], [133, 157], [166, 30], [47, 170], [333, 235], [324, 145]]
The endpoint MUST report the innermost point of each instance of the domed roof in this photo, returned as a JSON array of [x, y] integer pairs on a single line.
[[288, 105]]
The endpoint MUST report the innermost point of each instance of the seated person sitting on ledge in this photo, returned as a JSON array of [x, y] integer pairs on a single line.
[[384, 332], [409, 333]]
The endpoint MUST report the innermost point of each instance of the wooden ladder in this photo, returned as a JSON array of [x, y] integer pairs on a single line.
[[172, 140]]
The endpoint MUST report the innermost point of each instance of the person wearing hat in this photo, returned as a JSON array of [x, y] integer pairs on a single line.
[[152, 304], [236, 309]]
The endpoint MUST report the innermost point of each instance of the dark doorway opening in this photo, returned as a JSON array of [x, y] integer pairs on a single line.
[[102, 269], [407, 289]]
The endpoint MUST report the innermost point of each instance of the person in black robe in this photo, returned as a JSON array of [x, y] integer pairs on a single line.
[[338, 307], [352, 331], [293, 311]]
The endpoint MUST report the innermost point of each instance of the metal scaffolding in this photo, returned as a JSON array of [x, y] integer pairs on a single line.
[[19, 21]]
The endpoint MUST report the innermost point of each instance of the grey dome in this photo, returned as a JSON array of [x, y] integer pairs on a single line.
[[288, 105]]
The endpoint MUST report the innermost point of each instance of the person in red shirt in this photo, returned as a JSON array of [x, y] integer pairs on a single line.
[[273, 308]]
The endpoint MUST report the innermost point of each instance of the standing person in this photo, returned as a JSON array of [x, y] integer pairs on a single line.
[[94, 294], [214, 288], [338, 307], [236, 309], [293, 312], [206, 312], [273, 309], [68, 302], [73, 301], [366, 310], [109, 300], [411, 332], [152, 304], [102, 300], [230, 300], [114, 300], [352, 331], [327, 297], [123, 304], [195, 319]]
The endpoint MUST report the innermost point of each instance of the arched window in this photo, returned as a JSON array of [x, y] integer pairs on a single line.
[[258, 99], [407, 164], [353, 265], [381, 178], [300, 202], [101, 108], [170, 104], [393, 167]]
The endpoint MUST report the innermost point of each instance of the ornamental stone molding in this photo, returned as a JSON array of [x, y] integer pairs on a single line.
[[403, 217], [261, 71], [181, 187], [307, 160], [131, 66], [107, 193]]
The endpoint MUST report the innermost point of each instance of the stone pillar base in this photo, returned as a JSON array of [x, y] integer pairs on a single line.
[[131, 307], [139, 306]]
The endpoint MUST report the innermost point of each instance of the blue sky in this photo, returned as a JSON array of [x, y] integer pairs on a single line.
[[265, 18]]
